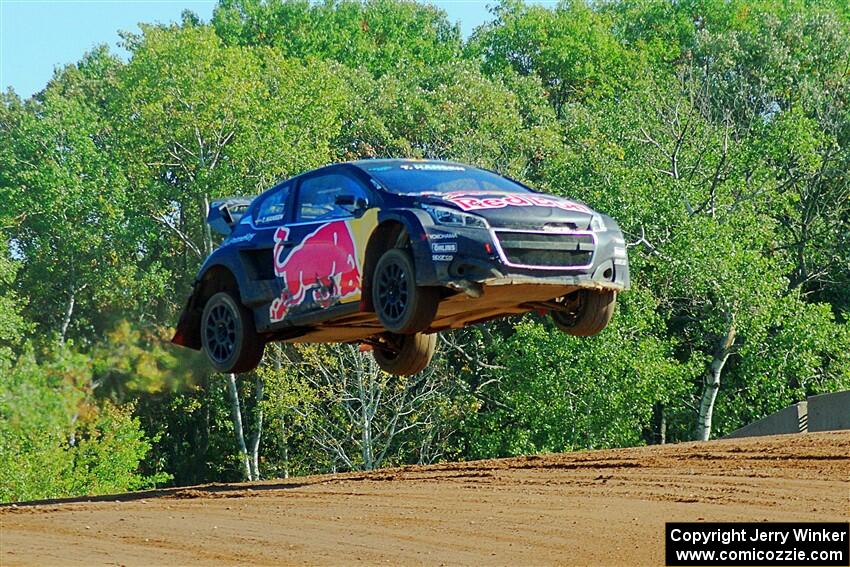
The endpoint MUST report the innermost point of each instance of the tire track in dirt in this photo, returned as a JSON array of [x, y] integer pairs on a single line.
[[595, 507]]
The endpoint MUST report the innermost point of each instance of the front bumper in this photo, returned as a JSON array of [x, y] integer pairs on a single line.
[[466, 258]]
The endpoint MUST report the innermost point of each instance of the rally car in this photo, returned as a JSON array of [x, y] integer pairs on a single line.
[[387, 253]]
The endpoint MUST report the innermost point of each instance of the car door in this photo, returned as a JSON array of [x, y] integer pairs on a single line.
[[319, 255], [267, 216]]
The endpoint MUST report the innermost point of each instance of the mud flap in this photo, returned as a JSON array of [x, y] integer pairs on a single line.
[[188, 332]]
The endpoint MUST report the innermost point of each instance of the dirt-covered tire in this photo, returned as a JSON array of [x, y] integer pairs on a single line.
[[405, 354], [402, 307], [229, 338], [593, 313]]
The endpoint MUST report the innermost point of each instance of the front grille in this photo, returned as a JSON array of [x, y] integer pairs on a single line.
[[517, 224], [547, 250]]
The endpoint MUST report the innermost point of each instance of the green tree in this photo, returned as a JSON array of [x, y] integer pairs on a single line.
[[716, 132], [200, 120], [13, 326], [572, 48], [57, 440], [379, 35], [66, 201], [562, 393]]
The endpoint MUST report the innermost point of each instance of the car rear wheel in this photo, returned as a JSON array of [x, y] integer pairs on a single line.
[[230, 341], [404, 355], [402, 306], [588, 315]]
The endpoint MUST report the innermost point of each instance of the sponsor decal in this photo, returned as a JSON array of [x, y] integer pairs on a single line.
[[270, 218], [323, 268], [463, 193], [430, 167], [244, 238], [471, 202], [441, 236], [443, 247], [442, 257]]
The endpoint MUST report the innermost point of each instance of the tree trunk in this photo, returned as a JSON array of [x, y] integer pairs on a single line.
[[658, 432], [199, 468], [712, 383], [69, 311], [366, 425], [72, 437], [367, 443], [236, 414], [284, 451], [258, 429], [205, 207]]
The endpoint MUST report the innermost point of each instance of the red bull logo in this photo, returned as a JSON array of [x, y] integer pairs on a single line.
[[322, 268]]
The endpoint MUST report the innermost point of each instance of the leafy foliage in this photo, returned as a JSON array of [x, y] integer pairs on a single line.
[[558, 394], [380, 35], [716, 132], [58, 440]]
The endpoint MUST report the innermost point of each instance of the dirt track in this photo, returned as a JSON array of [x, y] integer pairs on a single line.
[[600, 507]]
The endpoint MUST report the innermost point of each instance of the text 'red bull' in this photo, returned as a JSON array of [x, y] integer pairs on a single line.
[[468, 202], [323, 266]]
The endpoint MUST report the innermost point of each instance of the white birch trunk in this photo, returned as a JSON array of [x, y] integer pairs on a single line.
[[236, 414], [284, 449], [258, 431], [366, 422], [205, 209], [712, 384], [69, 312]]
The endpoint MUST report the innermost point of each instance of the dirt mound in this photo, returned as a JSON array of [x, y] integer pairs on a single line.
[[596, 507]]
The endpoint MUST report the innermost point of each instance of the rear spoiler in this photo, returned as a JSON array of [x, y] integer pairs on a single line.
[[225, 213]]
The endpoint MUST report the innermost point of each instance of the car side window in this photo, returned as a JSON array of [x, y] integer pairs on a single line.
[[273, 208], [317, 194]]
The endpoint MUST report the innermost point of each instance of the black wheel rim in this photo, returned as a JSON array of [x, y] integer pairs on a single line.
[[390, 346], [220, 332], [569, 317], [393, 293]]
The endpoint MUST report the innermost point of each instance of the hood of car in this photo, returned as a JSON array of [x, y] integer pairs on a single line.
[[514, 210]]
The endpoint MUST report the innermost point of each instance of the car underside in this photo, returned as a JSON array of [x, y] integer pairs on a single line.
[[391, 269]]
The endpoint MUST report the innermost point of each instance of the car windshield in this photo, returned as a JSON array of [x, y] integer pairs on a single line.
[[437, 177]]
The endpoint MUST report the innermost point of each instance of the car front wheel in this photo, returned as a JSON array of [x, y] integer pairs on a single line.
[[230, 341], [404, 355], [588, 315], [402, 306]]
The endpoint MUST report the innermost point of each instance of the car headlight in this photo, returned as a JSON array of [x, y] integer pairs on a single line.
[[451, 217], [597, 224]]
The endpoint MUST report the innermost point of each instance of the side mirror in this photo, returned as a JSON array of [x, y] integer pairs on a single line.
[[356, 203], [225, 213]]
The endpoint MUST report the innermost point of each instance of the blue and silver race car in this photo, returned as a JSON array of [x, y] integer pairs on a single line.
[[389, 252]]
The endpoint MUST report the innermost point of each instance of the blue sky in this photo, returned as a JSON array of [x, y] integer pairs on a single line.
[[36, 36]]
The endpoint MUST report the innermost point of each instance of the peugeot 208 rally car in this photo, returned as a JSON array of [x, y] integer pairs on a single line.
[[390, 252]]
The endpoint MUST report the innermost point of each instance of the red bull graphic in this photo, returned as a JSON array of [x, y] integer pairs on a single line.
[[321, 270], [476, 200]]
